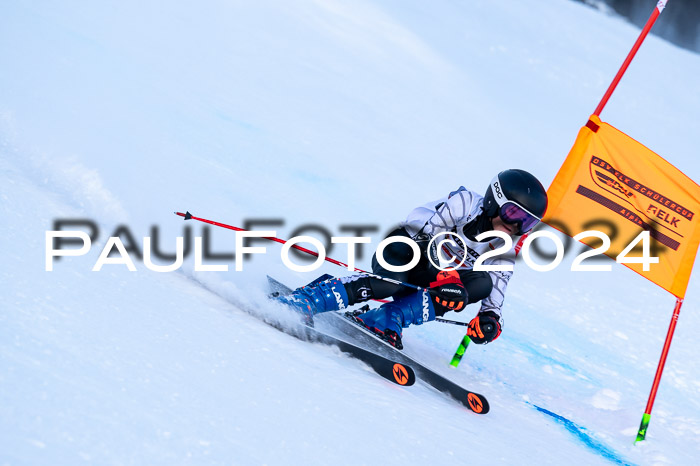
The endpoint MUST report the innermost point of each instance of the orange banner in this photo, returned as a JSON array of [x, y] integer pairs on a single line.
[[611, 183]]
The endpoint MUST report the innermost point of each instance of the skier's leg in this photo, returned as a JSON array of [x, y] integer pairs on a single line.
[[330, 294], [361, 288], [477, 284], [391, 318], [323, 294]]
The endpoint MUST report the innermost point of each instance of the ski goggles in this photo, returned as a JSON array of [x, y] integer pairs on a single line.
[[512, 212]]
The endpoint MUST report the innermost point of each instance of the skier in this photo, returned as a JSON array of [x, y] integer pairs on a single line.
[[514, 203]]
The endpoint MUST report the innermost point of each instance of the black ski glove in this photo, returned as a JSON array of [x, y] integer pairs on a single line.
[[484, 328]]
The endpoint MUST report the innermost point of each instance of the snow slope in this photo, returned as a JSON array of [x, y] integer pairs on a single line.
[[331, 113]]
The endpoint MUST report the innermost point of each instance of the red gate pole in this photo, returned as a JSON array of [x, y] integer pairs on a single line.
[[659, 370], [647, 27]]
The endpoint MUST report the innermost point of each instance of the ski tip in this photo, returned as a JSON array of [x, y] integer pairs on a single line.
[[403, 375], [477, 403]]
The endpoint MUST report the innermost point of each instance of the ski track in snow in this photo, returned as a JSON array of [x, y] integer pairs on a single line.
[[581, 434]]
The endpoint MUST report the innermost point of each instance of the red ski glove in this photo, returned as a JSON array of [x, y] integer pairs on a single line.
[[448, 290]]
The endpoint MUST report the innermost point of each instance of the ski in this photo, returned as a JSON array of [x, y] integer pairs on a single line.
[[392, 370], [472, 400], [349, 327]]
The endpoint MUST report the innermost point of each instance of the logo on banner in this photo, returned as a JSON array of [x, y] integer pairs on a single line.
[[641, 205]]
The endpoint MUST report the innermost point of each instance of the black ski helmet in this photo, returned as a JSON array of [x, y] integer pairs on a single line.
[[519, 187]]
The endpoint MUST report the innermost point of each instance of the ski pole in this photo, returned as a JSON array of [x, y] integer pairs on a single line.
[[189, 216], [462, 345], [453, 322], [460, 351]]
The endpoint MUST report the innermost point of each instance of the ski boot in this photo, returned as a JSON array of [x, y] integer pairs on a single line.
[[321, 295], [388, 320]]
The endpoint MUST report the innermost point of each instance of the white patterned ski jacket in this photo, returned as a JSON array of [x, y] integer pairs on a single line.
[[451, 214]]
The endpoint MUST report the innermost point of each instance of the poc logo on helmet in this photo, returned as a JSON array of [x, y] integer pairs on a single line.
[[497, 189]]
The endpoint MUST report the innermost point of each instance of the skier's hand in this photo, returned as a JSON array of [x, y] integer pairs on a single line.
[[484, 328], [448, 291]]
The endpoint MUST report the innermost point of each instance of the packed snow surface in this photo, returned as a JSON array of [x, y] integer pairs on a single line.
[[329, 113]]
